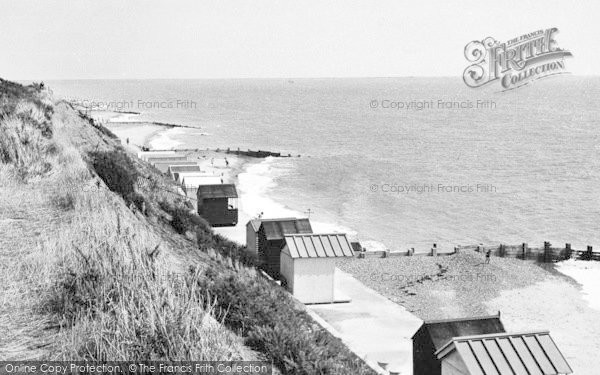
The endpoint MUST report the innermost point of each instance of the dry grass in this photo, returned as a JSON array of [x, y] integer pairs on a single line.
[[82, 276]]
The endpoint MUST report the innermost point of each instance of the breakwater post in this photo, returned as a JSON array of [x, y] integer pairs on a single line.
[[546, 251]]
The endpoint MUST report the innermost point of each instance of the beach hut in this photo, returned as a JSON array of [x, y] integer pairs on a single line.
[[502, 354], [182, 175], [144, 155], [167, 159], [434, 334], [252, 227], [308, 265], [175, 169], [218, 204], [271, 241], [164, 166], [190, 183]]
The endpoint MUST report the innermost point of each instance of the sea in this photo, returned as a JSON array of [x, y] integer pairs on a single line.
[[396, 163]]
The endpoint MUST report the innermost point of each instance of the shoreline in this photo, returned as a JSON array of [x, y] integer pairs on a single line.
[[162, 136]]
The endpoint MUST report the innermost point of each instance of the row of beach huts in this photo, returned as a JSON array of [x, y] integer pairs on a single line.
[[215, 200], [286, 248], [303, 262]]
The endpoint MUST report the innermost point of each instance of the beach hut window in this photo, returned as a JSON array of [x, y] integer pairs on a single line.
[[232, 203]]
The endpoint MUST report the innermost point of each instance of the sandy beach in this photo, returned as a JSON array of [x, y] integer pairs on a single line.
[[557, 306], [529, 297]]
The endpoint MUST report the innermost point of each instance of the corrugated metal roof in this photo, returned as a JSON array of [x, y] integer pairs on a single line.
[[217, 191], [442, 331], [318, 245], [508, 354], [276, 229]]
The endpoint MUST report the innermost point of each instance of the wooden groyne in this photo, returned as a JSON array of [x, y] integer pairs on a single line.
[[542, 254], [249, 153]]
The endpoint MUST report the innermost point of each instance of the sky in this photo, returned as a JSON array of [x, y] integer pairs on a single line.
[[147, 39]]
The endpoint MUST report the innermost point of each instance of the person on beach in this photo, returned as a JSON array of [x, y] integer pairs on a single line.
[[226, 162], [487, 256], [127, 140]]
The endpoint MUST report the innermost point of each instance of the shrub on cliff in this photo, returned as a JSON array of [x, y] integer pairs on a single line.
[[118, 172]]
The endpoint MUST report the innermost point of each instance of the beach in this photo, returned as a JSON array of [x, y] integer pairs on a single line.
[[430, 288]]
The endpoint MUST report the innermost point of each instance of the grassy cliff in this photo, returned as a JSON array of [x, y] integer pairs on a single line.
[[101, 259]]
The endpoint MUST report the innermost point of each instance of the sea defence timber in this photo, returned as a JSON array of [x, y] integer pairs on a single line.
[[542, 254], [250, 153]]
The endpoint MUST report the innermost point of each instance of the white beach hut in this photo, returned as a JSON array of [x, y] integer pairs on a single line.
[[144, 155], [183, 175], [308, 265], [175, 169]]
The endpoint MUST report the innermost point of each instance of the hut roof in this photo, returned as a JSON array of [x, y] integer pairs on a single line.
[[167, 164], [508, 353], [318, 245], [276, 229], [183, 175], [184, 168], [195, 181], [217, 191], [256, 222], [167, 159], [441, 331], [148, 154]]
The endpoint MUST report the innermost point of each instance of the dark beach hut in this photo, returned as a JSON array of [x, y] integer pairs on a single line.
[[218, 204], [252, 227], [435, 334], [271, 240], [503, 353]]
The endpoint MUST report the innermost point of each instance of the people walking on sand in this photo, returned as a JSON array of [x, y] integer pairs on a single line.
[[127, 140], [488, 253], [226, 162]]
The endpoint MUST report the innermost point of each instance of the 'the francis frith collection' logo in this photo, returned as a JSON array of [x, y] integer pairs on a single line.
[[514, 63]]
